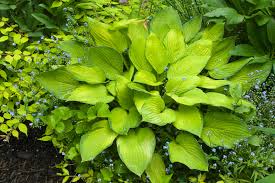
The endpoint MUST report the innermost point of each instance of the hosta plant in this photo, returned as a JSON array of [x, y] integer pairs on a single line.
[[142, 75]]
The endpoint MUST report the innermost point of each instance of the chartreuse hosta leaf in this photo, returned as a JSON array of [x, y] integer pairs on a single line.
[[136, 149], [223, 129], [179, 85], [138, 35], [60, 82], [91, 75], [103, 36], [121, 121], [90, 94], [164, 21], [221, 53], [206, 82], [186, 150], [156, 170], [189, 118], [76, 50], [138, 87], [187, 66], [192, 97], [174, 43], [97, 140], [123, 93], [214, 32], [107, 59], [191, 28], [228, 70], [201, 47], [147, 78], [158, 61], [253, 74]]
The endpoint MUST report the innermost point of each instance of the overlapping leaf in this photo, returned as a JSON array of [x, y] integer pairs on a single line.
[[223, 129], [186, 150], [97, 140]]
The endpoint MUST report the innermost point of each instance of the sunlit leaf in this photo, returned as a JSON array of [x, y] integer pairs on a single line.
[[175, 45], [158, 61], [189, 118], [142, 143], [156, 170], [186, 150], [90, 94], [121, 121], [147, 78], [97, 140]]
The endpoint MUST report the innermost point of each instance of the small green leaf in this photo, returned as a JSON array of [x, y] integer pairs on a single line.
[[97, 140], [56, 4], [45, 138], [23, 128], [15, 133], [4, 38], [4, 128], [189, 118], [158, 61], [156, 170], [223, 129], [255, 140], [3, 74], [107, 174], [186, 150], [142, 143]]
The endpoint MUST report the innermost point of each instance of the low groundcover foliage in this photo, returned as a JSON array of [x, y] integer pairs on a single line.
[[137, 73]]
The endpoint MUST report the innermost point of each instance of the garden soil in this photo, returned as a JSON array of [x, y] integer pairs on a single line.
[[28, 160]]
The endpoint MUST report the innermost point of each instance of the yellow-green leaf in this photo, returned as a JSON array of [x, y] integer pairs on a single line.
[[142, 142], [186, 150]]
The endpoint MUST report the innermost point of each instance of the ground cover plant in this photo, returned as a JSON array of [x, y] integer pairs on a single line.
[[21, 59], [137, 92]]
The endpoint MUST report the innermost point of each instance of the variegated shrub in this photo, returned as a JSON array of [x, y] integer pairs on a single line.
[[137, 74]]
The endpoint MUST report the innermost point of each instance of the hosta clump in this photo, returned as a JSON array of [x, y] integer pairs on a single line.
[[159, 73]]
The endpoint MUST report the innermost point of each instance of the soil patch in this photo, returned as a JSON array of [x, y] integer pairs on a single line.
[[28, 160]]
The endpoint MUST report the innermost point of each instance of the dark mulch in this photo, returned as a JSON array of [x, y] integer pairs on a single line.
[[28, 160]]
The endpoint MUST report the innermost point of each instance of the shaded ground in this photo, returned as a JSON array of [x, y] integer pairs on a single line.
[[28, 160]]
